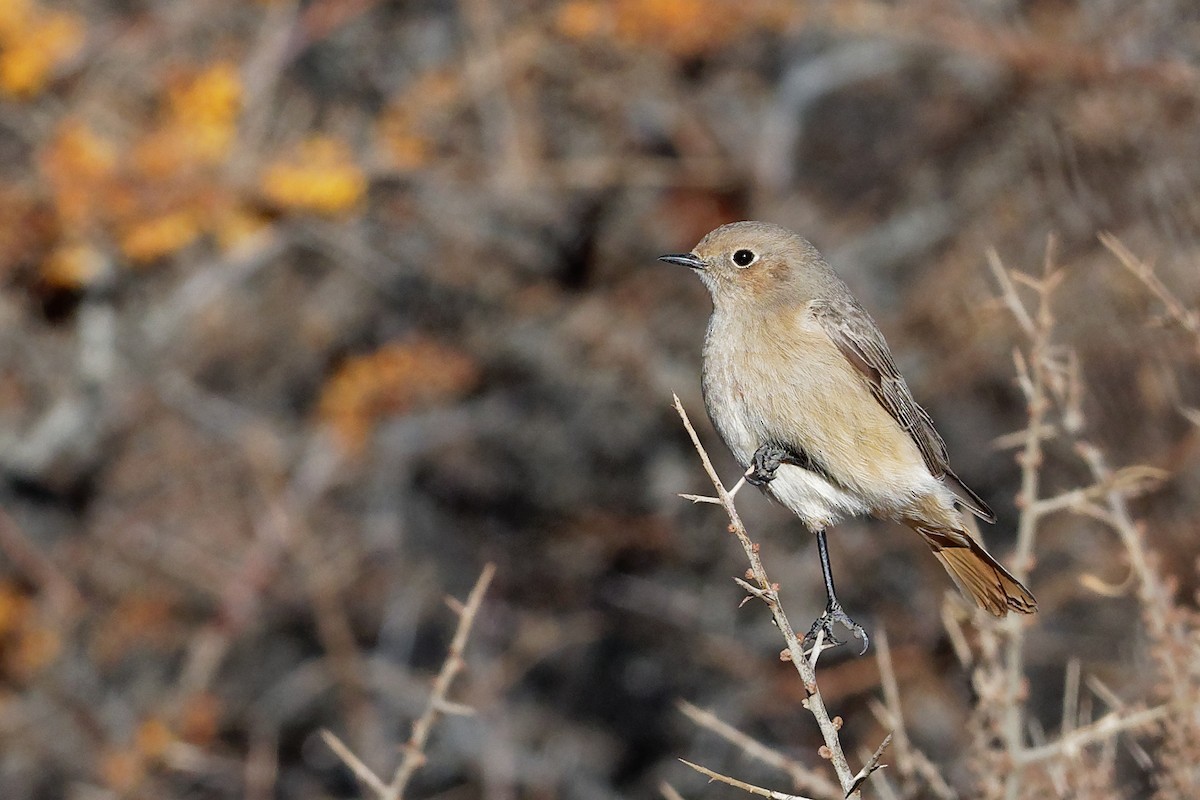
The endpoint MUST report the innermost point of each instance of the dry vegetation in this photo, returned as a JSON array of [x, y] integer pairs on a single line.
[[310, 310]]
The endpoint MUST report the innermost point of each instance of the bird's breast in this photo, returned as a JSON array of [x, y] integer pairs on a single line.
[[782, 381]]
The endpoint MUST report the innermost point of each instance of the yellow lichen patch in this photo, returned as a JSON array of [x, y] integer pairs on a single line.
[[33, 44], [319, 175], [197, 127], [205, 108], [150, 239], [72, 266], [236, 225], [395, 379], [78, 164], [14, 18]]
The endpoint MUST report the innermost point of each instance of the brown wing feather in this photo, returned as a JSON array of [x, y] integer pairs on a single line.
[[976, 574], [855, 334]]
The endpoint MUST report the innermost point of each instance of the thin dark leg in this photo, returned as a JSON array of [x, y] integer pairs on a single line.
[[833, 609], [826, 569]]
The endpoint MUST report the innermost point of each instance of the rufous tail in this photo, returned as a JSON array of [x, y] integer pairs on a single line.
[[978, 575]]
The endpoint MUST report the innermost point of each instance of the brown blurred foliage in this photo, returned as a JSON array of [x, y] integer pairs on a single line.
[[311, 308]]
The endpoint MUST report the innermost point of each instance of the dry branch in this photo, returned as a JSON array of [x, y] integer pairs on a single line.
[[1101, 730], [768, 593], [802, 777], [1186, 318], [414, 749], [1049, 378], [747, 787], [1036, 383]]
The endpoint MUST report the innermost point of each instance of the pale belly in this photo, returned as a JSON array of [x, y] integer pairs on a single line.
[[871, 480], [817, 502]]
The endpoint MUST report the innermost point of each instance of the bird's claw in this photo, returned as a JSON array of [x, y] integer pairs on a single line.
[[834, 615], [764, 463]]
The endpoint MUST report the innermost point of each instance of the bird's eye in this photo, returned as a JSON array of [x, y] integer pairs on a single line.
[[744, 258]]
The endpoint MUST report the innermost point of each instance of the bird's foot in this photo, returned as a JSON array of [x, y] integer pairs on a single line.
[[765, 462], [834, 615]]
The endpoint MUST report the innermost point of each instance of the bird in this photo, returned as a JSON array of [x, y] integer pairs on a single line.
[[801, 385]]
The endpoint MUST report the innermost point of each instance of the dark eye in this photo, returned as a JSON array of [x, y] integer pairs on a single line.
[[744, 258]]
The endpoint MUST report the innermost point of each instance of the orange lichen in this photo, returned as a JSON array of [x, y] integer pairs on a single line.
[[33, 43], [319, 175], [205, 108], [398, 377], [152, 739], [72, 266], [146, 240], [584, 19], [683, 28], [404, 147], [27, 643], [78, 165], [200, 718]]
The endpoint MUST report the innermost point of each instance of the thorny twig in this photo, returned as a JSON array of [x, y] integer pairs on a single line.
[[909, 759], [414, 749], [767, 592], [746, 787], [1033, 378], [802, 777], [1186, 318], [1047, 375], [1100, 730], [870, 766]]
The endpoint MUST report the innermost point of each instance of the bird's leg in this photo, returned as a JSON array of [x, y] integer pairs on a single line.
[[766, 461], [833, 609]]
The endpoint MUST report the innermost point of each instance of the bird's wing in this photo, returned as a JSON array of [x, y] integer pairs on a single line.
[[851, 329]]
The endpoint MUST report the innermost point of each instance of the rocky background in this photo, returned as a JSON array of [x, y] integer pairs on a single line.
[[308, 310]]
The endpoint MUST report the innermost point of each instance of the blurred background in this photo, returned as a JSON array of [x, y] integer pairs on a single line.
[[310, 309]]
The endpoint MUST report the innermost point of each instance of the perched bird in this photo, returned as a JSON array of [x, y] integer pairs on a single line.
[[800, 384]]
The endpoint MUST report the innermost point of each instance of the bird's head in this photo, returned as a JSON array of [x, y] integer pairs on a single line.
[[754, 262]]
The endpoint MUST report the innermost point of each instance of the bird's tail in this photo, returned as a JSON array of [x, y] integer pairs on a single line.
[[976, 574]]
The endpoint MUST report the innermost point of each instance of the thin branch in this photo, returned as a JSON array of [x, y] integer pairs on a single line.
[[768, 593], [414, 750], [920, 764], [746, 787], [1185, 317], [1153, 592], [360, 770], [802, 777], [1033, 376], [1100, 730], [1009, 292], [438, 705], [1131, 482], [891, 696], [871, 765]]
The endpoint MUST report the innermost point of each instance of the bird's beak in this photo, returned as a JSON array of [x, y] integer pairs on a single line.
[[683, 259]]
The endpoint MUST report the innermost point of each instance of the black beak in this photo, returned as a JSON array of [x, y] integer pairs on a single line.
[[683, 259]]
